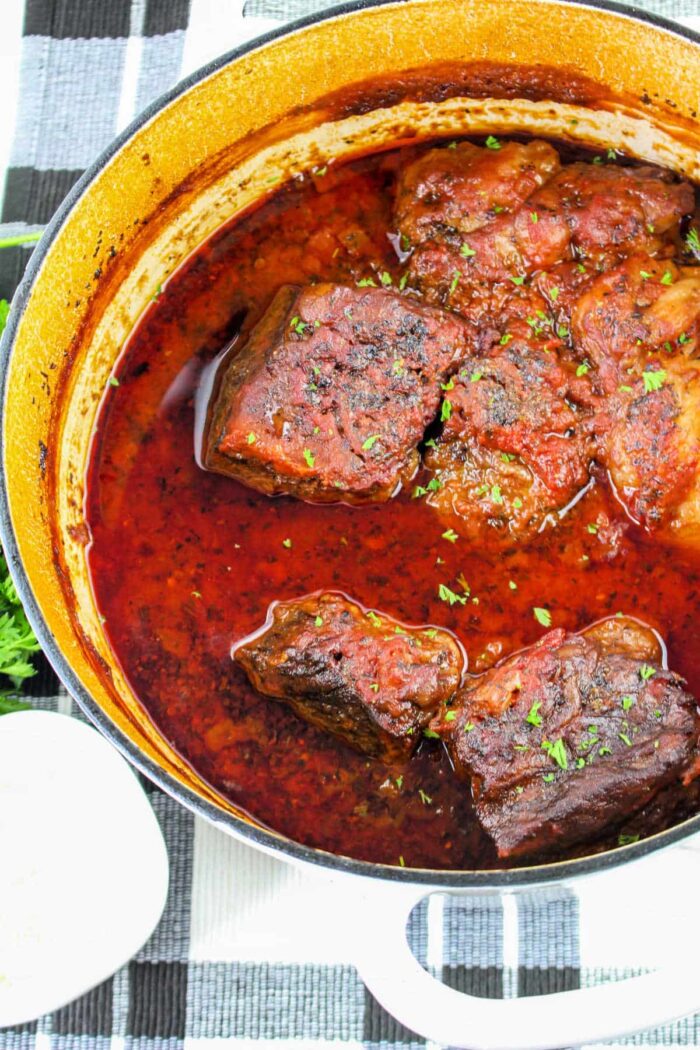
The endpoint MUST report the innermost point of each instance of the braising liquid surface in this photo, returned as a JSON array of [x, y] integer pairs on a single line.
[[184, 563]]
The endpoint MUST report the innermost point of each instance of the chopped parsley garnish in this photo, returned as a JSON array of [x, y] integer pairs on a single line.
[[251, 439], [496, 494], [513, 585], [373, 618], [625, 389], [693, 241], [517, 503], [557, 752], [450, 535], [434, 484], [543, 616], [399, 782], [533, 718], [548, 778], [369, 442], [645, 275], [534, 217], [366, 282], [309, 457], [450, 716], [580, 267], [425, 799], [385, 278], [554, 293], [492, 142], [507, 457], [431, 734], [456, 274], [466, 252], [582, 369], [475, 377], [627, 840], [646, 672], [592, 528], [445, 411], [403, 282], [627, 702], [625, 739], [113, 381], [517, 280], [468, 726], [654, 380], [431, 632], [447, 595], [449, 385], [505, 339], [287, 543], [318, 622], [667, 278], [562, 331]]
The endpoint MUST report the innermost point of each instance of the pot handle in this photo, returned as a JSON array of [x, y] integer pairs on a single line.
[[452, 1018]]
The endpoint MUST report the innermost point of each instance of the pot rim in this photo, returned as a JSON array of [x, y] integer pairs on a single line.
[[257, 836]]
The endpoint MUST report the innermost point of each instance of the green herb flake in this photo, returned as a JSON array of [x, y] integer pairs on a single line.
[[399, 782], [557, 752], [385, 278], [251, 439], [583, 369], [512, 585], [533, 718], [517, 280], [475, 377], [449, 385], [450, 535], [627, 702], [309, 457], [517, 503], [548, 778], [450, 716], [692, 240], [496, 494], [627, 840], [445, 594], [374, 686], [625, 739], [505, 339], [543, 616], [366, 282], [403, 282], [667, 278], [492, 142], [456, 274], [425, 799], [466, 252], [445, 411], [534, 217], [287, 543], [592, 528], [468, 727], [318, 622], [646, 672], [654, 380], [369, 442]]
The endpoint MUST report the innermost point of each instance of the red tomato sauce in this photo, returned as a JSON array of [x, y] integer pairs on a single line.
[[185, 563]]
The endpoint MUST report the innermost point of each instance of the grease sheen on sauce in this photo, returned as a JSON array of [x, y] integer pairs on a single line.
[[185, 563]]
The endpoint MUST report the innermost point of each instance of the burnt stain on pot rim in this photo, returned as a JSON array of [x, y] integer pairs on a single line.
[[262, 838]]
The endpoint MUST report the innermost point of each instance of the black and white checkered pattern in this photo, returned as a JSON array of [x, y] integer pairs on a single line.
[[239, 954]]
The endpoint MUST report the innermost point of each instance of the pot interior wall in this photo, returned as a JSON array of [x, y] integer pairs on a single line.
[[228, 142]]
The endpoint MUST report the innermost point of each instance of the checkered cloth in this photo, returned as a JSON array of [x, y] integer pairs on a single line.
[[245, 951]]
